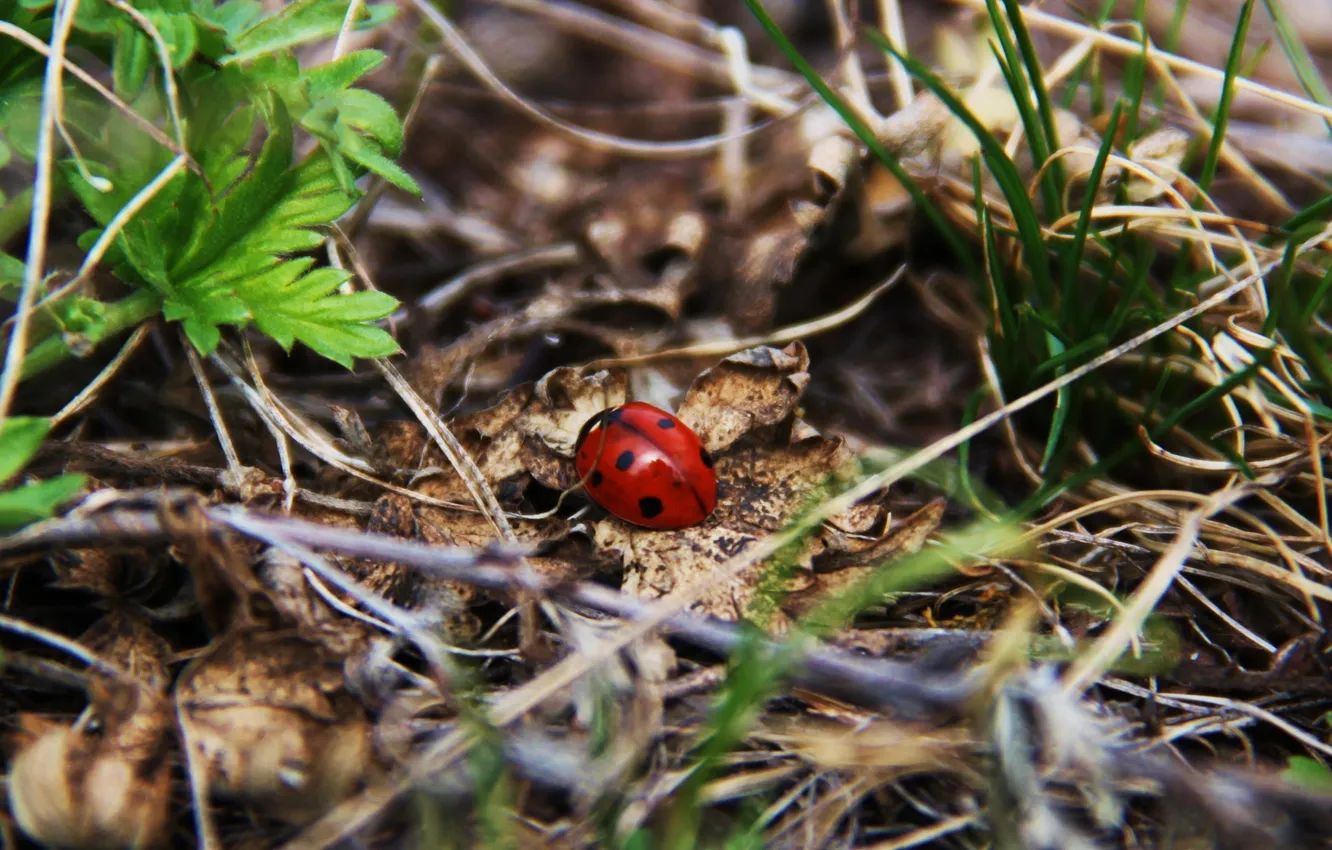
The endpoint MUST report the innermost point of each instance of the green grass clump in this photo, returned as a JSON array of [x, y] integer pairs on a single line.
[[1055, 304]]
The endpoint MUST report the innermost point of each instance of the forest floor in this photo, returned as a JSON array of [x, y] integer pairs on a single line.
[[1009, 356]]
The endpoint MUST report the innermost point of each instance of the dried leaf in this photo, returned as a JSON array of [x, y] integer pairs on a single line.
[[1162, 153], [762, 490], [103, 781], [754, 388], [125, 638], [842, 570], [267, 718]]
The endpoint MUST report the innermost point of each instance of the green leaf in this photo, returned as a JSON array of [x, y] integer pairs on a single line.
[[372, 116], [20, 109], [20, 438], [178, 33], [362, 153], [1308, 773], [247, 201], [37, 501], [234, 15], [290, 306], [341, 73], [11, 276], [300, 23], [131, 58]]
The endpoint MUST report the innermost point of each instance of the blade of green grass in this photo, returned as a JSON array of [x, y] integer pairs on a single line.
[[1072, 265], [1053, 179], [1004, 171], [1005, 321], [1223, 107], [1130, 448], [1134, 82], [964, 456]]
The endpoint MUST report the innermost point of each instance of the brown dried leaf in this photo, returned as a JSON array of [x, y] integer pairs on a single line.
[[565, 401], [768, 255], [124, 637], [761, 490], [1161, 152], [456, 528], [284, 581], [101, 782], [393, 514], [268, 720], [754, 388], [96, 570], [842, 570], [224, 584]]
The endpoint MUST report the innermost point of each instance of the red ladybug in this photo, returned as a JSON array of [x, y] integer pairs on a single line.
[[646, 467]]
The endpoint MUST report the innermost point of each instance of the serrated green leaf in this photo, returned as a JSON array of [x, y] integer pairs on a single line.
[[248, 201], [37, 501], [131, 58], [309, 309], [300, 23], [215, 308], [178, 33], [358, 150], [372, 116], [203, 335], [235, 16], [341, 73], [20, 438]]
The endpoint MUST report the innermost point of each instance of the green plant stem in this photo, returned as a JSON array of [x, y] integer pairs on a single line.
[[121, 316]]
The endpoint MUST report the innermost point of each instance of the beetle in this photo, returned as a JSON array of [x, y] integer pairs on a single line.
[[646, 467]]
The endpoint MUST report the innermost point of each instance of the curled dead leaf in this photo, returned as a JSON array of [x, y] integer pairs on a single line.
[[102, 781], [839, 571], [267, 720], [754, 388], [1162, 153]]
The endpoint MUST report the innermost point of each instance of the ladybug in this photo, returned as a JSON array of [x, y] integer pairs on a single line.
[[646, 467]]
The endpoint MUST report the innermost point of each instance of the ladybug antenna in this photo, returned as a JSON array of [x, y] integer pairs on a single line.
[[582, 480]]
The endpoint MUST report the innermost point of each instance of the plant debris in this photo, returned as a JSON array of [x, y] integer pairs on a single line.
[[1005, 337]]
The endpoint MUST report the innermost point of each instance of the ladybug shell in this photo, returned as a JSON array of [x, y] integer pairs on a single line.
[[646, 467]]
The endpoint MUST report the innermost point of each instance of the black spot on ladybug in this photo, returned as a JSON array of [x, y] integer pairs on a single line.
[[624, 461], [650, 507], [596, 478], [707, 458], [612, 415], [665, 423]]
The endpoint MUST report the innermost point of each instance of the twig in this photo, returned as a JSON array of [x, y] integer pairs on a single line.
[[214, 412], [89, 393], [1236, 802], [52, 100]]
